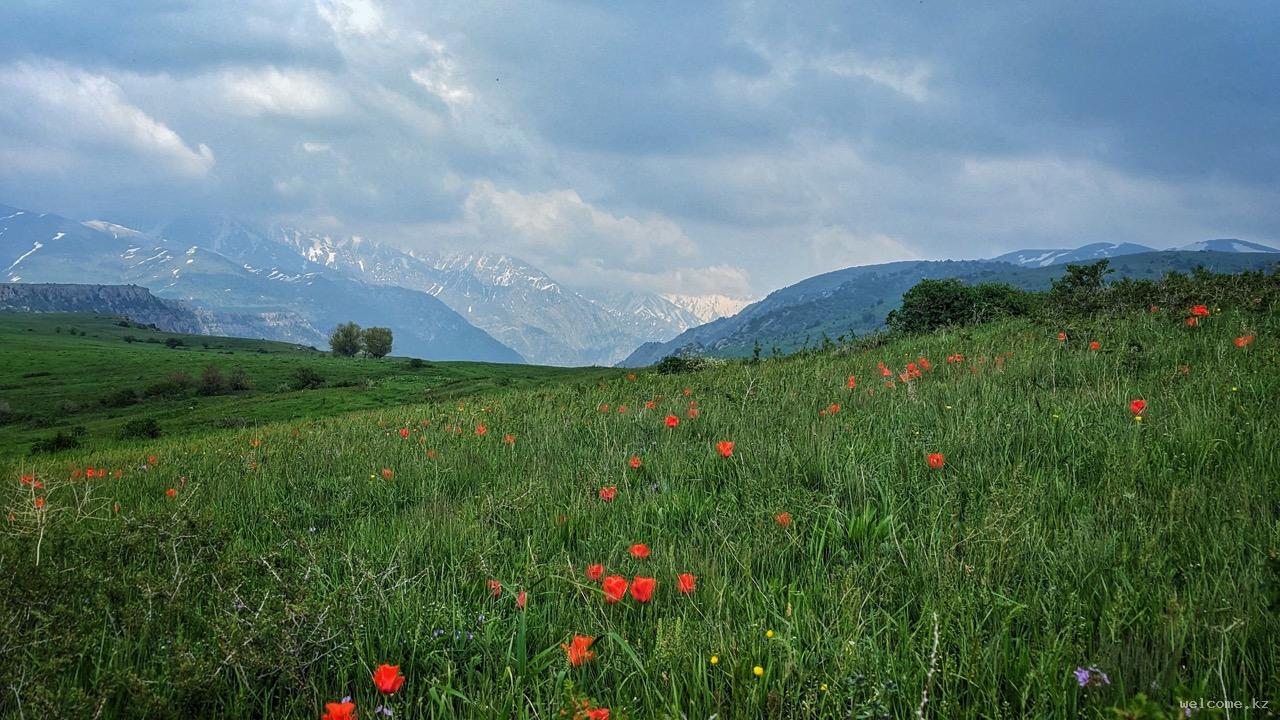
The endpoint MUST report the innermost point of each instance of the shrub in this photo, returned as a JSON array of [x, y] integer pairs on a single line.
[[238, 380], [124, 397], [173, 343], [304, 378], [146, 428], [59, 442], [175, 385], [212, 382], [417, 364]]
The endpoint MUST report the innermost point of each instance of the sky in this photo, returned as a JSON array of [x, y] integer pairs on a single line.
[[662, 146]]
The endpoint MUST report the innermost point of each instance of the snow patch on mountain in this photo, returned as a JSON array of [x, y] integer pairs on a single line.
[[709, 307]]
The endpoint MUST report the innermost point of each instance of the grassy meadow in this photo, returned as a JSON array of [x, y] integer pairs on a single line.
[[1064, 559], [60, 372]]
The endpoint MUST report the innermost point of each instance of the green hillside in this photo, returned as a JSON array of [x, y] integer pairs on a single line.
[[1064, 558], [89, 376]]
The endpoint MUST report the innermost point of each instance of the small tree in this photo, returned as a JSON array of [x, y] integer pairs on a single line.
[[345, 339], [377, 342], [212, 382]]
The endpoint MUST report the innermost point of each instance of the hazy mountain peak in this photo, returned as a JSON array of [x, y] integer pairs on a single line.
[[1227, 245], [709, 307]]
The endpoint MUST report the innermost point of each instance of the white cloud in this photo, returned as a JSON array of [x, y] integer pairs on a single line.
[[837, 246], [287, 93], [907, 78], [62, 108], [352, 17]]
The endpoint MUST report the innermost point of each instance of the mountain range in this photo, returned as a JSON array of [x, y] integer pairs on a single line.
[[295, 285]]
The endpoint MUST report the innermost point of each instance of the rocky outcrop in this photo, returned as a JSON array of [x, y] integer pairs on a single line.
[[128, 301]]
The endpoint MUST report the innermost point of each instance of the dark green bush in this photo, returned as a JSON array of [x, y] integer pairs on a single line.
[[305, 378], [145, 428]]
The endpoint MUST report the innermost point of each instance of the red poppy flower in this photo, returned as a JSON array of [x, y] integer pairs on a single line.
[[1199, 311], [387, 473], [622, 408], [579, 649], [687, 392], [521, 598], [26, 479], [924, 363], [783, 519], [686, 582], [509, 439], [1192, 322], [594, 571], [404, 432], [607, 494], [597, 713], [1137, 406], [1244, 341], [885, 372], [495, 588], [255, 443], [631, 376], [604, 407], [387, 679], [171, 492], [481, 430], [693, 413], [1155, 309], [725, 448], [634, 462], [90, 472], [1095, 345], [39, 503], [339, 711], [672, 421], [1062, 337], [614, 587], [639, 551], [650, 405], [852, 384], [642, 588], [833, 408], [936, 460], [151, 460]]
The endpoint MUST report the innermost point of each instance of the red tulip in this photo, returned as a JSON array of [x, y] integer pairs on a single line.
[[339, 711], [1200, 311], [387, 473], [1137, 406], [521, 598], [387, 679], [852, 384], [404, 432], [171, 492], [1062, 337], [642, 588], [614, 587], [579, 649], [687, 582]]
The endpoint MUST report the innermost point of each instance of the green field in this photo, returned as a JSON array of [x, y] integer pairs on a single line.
[[53, 380], [1061, 533]]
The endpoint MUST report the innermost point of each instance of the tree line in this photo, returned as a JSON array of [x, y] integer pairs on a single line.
[[349, 339]]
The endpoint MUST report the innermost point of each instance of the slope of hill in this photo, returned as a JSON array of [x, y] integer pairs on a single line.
[[128, 301], [857, 300], [1228, 245], [834, 568], [63, 371], [253, 286]]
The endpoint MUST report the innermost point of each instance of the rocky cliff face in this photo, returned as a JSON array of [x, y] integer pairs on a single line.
[[131, 301]]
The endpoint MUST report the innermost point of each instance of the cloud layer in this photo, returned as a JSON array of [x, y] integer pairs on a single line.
[[673, 147]]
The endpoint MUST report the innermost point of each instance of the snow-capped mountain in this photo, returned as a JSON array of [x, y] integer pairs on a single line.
[[1084, 253], [709, 307], [1227, 245], [239, 282], [512, 300]]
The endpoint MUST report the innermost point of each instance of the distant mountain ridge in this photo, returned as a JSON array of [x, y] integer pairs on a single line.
[[1100, 250], [857, 300], [131, 301]]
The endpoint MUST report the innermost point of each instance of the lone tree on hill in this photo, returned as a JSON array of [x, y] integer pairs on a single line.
[[345, 339], [377, 342]]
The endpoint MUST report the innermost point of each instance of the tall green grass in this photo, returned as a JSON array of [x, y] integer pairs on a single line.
[[1060, 533]]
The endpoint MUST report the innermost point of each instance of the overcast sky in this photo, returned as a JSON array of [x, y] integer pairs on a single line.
[[667, 146]]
